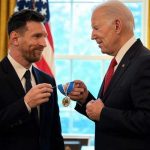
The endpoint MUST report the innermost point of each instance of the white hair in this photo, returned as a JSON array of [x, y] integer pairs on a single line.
[[115, 8]]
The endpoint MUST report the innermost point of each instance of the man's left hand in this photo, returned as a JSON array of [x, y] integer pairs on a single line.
[[94, 108]]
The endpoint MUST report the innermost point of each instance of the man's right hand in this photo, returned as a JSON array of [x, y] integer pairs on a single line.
[[38, 94], [79, 92]]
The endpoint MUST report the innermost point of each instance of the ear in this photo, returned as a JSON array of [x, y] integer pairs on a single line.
[[118, 26], [14, 38]]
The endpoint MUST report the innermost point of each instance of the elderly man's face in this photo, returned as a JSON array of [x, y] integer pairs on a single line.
[[103, 32]]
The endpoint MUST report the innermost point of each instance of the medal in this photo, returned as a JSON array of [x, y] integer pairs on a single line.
[[66, 100]]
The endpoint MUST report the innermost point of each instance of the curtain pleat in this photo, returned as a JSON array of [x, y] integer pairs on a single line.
[[148, 32], [6, 9]]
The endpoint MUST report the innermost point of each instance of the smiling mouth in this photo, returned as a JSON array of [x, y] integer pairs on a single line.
[[38, 52], [100, 44], [40, 49]]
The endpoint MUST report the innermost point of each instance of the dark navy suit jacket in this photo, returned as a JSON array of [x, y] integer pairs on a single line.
[[19, 130], [125, 120]]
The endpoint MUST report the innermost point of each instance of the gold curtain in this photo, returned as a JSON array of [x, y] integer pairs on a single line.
[[148, 32], [6, 9]]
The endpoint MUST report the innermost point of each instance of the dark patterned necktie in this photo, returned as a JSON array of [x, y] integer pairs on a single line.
[[28, 86], [109, 74]]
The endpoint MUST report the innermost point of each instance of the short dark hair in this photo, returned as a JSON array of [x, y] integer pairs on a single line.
[[19, 19]]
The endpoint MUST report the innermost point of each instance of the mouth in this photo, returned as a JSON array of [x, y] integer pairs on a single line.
[[100, 44], [38, 51], [40, 48]]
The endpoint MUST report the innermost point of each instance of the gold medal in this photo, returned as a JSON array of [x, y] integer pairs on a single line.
[[66, 101], [65, 90]]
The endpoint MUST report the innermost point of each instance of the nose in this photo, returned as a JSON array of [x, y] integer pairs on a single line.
[[93, 35], [43, 42]]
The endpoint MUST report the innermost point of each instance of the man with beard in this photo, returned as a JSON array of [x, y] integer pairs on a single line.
[[29, 113]]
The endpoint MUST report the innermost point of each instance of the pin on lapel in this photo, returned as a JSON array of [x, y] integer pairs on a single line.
[[123, 65]]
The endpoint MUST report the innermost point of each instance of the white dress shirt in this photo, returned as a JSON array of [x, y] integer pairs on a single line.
[[124, 49]]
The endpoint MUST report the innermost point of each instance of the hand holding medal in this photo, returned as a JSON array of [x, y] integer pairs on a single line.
[[65, 90]]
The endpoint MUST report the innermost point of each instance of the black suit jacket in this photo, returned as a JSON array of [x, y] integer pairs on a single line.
[[125, 120], [19, 130]]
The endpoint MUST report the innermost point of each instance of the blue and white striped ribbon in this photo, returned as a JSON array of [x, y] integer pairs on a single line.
[[68, 90]]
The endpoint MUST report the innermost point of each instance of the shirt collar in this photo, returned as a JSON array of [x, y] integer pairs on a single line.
[[20, 70], [125, 48]]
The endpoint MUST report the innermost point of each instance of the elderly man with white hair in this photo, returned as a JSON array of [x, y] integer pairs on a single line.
[[121, 111]]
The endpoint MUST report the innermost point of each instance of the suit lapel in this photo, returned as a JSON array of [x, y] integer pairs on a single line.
[[124, 64], [12, 77], [45, 113], [117, 75], [38, 80], [36, 75]]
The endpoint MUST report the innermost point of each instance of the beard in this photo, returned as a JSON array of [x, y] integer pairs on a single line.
[[33, 56]]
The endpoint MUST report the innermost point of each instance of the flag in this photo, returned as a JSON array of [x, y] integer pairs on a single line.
[[46, 62]]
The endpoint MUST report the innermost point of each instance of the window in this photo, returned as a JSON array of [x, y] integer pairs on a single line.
[[77, 56]]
